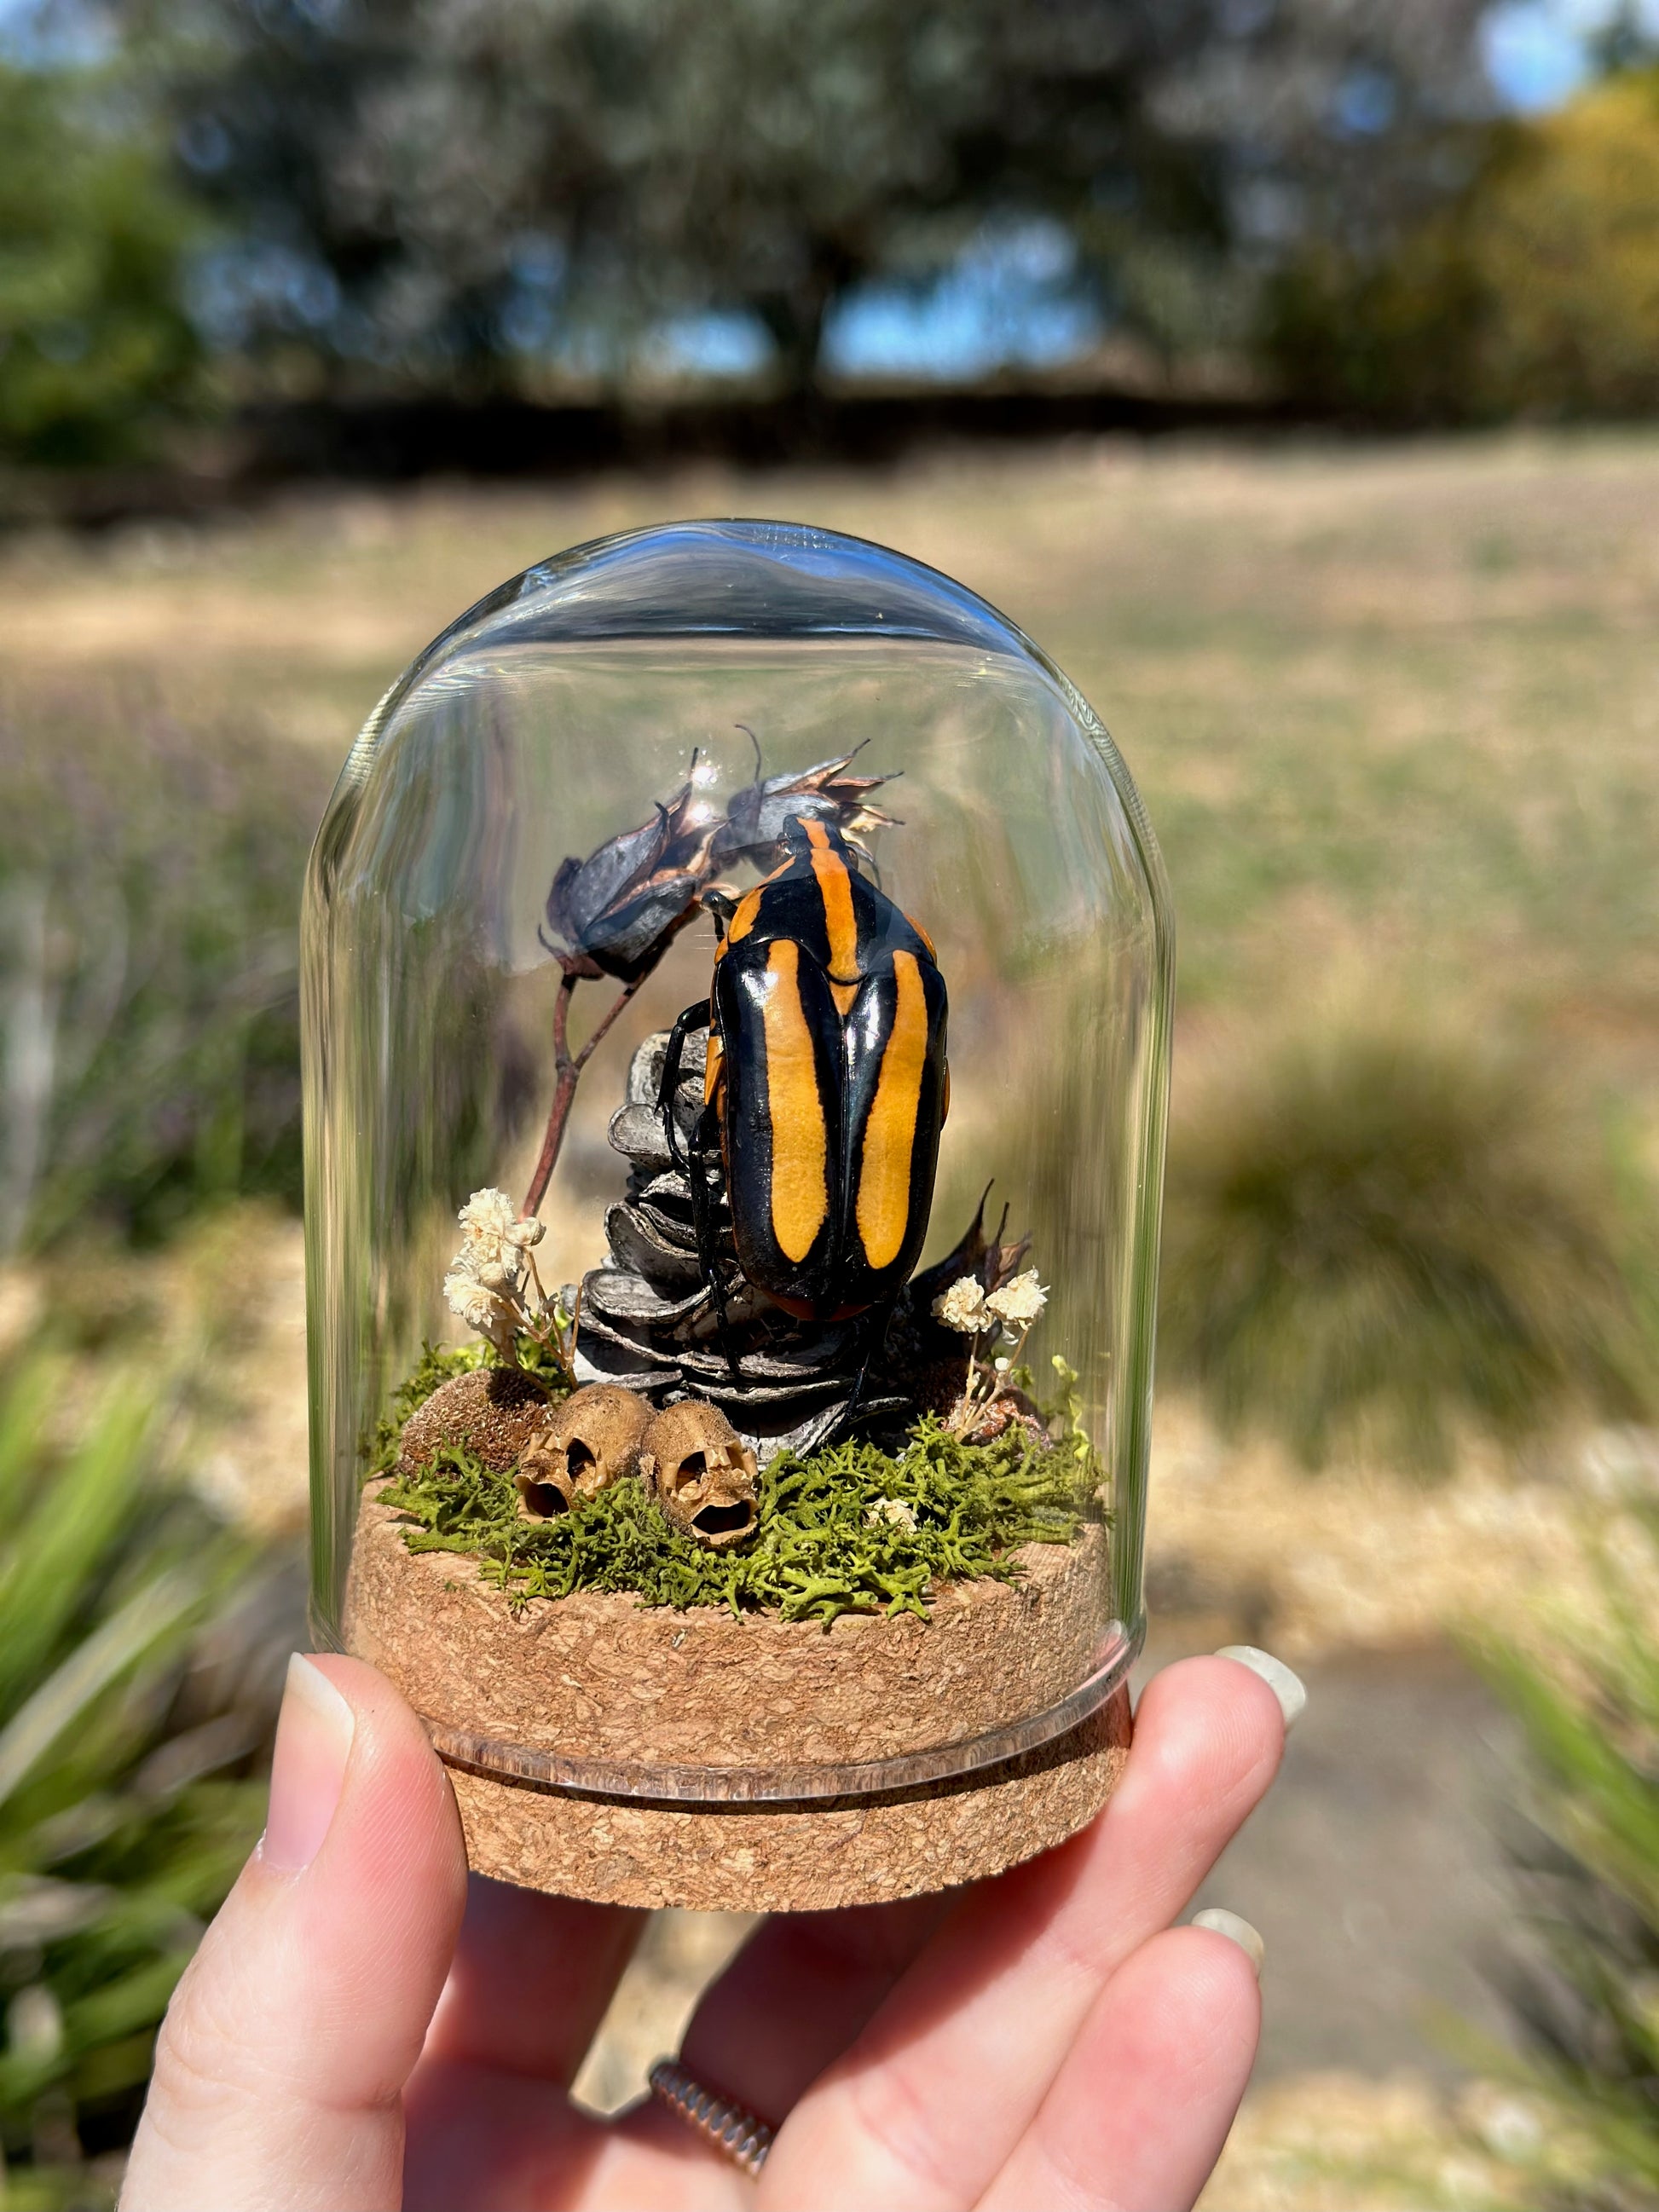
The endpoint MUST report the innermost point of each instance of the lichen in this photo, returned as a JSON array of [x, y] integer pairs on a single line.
[[851, 1529]]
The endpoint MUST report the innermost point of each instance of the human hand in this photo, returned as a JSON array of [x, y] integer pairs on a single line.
[[362, 2027]]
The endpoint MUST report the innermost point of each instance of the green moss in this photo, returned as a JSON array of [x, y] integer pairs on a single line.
[[827, 1542]]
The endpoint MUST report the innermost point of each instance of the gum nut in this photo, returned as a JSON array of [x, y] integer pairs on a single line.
[[493, 1411], [583, 1446], [701, 1473]]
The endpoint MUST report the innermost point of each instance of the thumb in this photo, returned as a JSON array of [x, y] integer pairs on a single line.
[[282, 2061]]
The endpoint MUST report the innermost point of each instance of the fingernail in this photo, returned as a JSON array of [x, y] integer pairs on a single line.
[[1235, 1930], [314, 1742], [1288, 1688]]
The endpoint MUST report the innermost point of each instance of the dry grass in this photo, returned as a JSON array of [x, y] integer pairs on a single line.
[[1401, 699], [1313, 2141]]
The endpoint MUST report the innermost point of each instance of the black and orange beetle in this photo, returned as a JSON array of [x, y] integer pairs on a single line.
[[825, 1086]]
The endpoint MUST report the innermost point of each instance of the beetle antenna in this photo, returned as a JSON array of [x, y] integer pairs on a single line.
[[722, 905]]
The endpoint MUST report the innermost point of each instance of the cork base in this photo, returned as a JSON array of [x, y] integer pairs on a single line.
[[601, 1679], [758, 1859]]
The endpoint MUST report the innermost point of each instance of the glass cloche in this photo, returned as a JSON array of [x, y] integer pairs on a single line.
[[737, 972]]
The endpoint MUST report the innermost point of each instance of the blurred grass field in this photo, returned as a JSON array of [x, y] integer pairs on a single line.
[[1393, 710], [1389, 706]]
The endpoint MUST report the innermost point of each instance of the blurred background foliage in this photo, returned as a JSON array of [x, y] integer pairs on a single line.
[[1533, 290], [1380, 1230], [98, 352], [140, 1658], [473, 196], [147, 964], [1585, 1845], [1324, 205]]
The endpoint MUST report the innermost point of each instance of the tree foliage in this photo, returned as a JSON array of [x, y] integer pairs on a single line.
[[96, 349], [445, 190], [1534, 289]]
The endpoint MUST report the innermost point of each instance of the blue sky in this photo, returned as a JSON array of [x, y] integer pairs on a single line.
[[1536, 50]]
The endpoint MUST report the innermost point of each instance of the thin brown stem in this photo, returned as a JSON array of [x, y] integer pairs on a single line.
[[567, 1067]]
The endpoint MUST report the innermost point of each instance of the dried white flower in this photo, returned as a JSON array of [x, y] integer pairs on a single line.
[[1018, 1302], [897, 1510], [481, 1308], [493, 1241], [962, 1306], [500, 1270], [467, 1297], [487, 1216]]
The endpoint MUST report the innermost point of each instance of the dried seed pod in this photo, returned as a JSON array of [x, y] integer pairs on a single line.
[[582, 1448], [1008, 1409], [491, 1411], [701, 1473]]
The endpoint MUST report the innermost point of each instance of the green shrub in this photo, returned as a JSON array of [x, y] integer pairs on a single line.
[[1588, 1861], [1375, 1235], [149, 884], [126, 1804], [96, 349], [1535, 290]]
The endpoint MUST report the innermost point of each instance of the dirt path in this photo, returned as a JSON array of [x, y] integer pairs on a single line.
[[1373, 1870]]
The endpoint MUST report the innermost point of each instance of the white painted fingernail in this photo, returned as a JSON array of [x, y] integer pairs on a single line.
[[1287, 1687], [1235, 1930], [314, 1732]]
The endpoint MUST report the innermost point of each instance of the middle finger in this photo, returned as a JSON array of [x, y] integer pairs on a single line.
[[531, 1979], [928, 2102], [798, 1993]]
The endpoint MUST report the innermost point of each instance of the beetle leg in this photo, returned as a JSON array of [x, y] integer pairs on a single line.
[[694, 1017], [872, 1329], [705, 1141]]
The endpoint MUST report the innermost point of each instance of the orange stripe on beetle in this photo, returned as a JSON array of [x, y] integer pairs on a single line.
[[744, 915], [747, 913], [836, 890], [800, 1189], [711, 1066], [890, 1134]]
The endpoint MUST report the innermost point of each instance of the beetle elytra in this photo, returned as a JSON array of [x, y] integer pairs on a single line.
[[825, 1086]]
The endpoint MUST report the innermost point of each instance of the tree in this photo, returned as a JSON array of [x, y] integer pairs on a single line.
[[446, 191], [1535, 289], [96, 349]]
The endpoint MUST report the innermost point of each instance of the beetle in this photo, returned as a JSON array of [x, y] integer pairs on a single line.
[[825, 1084]]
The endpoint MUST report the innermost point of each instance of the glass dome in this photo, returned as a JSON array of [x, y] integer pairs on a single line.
[[761, 948]]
